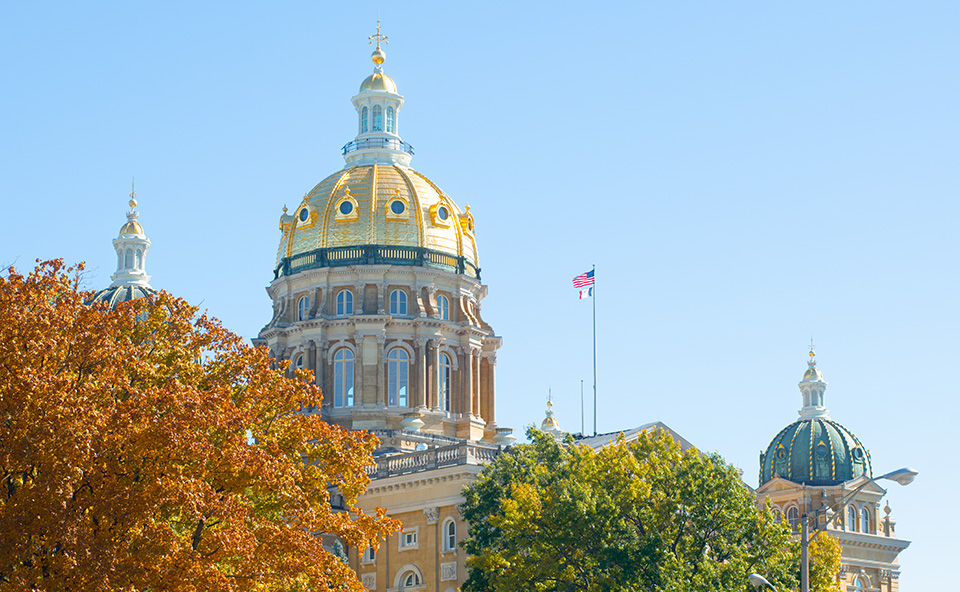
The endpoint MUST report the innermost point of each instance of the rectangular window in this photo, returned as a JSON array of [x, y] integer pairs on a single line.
[[408, 539]]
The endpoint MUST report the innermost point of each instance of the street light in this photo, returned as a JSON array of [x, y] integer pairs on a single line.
[[759, 581], [903, 476]]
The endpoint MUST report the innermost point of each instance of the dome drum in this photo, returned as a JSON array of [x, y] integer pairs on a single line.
[[375, 255]]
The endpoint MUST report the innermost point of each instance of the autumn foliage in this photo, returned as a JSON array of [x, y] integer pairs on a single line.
[[147, 448]]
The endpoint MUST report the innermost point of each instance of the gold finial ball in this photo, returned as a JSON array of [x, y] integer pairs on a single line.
[[133, 202], [378, 56]]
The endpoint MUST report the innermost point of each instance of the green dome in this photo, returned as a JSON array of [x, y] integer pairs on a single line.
[[816, 451]]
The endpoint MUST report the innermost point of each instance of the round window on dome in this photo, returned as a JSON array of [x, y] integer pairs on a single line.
[[304, 214], [780, 453], [442, 213], [346, 207], [821, 450], [857, 453], [397, 207]]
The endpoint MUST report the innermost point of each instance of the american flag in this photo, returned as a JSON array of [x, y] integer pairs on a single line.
[[583, 280]]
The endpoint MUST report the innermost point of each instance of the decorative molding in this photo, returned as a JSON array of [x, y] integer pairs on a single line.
[[448, 571], [369, 580], [432, 514]]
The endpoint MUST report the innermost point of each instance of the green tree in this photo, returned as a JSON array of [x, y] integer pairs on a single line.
[[147, 448], [632, 516]]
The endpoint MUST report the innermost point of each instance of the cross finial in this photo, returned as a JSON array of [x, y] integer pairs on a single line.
[[549, 397], [378, 37], [133, 194]]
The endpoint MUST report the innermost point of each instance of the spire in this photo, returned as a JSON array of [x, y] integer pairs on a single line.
[[378, 56], [812, 387], [131, 245]]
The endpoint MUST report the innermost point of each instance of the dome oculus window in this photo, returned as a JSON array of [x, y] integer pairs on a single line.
[[440, 214], [304, 214], [347, 208], [397, 207], [821, 450]]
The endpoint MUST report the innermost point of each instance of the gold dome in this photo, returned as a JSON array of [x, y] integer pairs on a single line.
[[379, 82], [550, 422], [377, 204], [131, 227], [812, 373]]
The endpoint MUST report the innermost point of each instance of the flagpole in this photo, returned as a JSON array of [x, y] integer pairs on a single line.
[[594, 350]]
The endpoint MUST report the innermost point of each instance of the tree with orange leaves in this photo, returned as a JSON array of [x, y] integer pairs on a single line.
[[148, 448]]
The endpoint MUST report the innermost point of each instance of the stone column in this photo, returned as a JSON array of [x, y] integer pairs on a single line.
[[360, 288], [421, 367], [468, 382], [369, 365], [432, 299], [381, 290], [435, 375], [382, 362], [477, 383], [491, 385]]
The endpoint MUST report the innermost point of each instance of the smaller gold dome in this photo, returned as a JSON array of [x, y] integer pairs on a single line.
[[131, 227], [812, 373], [378, 56], [380, 82], [550, 422]]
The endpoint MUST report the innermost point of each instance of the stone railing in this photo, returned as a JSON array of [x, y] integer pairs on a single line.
[[466, 453]]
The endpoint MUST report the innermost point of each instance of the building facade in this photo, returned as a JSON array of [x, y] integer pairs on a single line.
[[377, 291], [815, 463]]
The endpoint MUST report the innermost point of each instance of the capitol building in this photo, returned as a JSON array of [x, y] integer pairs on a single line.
[[377, 291]]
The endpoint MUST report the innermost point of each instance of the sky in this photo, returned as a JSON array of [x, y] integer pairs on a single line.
[[745, 176]]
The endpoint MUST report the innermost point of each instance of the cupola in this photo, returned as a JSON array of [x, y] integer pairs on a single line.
[[130, 280], [378, 117]]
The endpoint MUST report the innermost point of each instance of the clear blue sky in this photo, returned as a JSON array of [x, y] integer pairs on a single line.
[[744, 175]]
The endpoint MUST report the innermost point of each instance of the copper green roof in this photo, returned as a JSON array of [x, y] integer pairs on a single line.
[[114, 295], [815, 451]]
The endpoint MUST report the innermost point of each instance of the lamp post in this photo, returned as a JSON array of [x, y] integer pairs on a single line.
[[902, 476], [759, 581]]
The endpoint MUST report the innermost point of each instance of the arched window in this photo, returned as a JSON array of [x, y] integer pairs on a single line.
[[398, 370], [344, 303], [363, 120], [390, 119], [398, 302], [858, 585], [299, 363], [450, 535], [777, 516], [410, 579], [303, 308], [446, 368], [343, 378], [851, 518], [793, 517], [865, 520], [139, 258], [377, 118], [443, 308], [128, 259]]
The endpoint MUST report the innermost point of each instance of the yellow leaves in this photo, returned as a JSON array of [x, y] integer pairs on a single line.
[[125, 462]]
